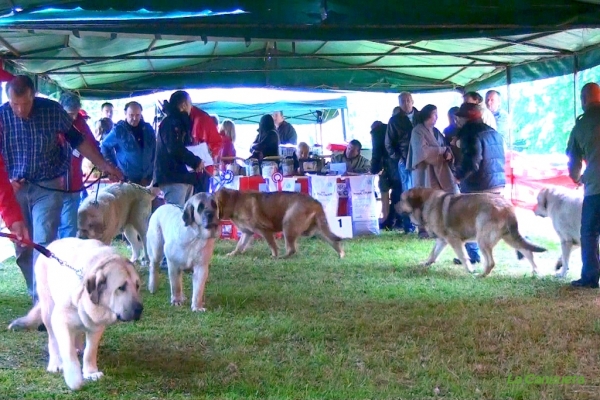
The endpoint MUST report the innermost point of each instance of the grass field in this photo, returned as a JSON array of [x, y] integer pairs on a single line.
[[372, 326]]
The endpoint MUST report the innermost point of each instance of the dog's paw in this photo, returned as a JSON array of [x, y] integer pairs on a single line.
[[54, 368], [233, 253], [425, 263], [198, 309], [177, 302], [342, 254], [93, 376]]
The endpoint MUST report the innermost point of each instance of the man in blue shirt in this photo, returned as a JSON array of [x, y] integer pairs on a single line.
[[36, 140], [131, 145]]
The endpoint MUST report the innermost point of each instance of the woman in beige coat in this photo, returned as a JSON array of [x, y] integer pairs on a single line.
[[428, 156]]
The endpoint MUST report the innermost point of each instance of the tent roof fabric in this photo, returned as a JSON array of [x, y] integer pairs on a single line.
[[295, 112], [107, 49]]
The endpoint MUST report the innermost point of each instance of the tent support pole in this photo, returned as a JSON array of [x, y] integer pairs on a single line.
[[510, 140], [343, 122], [575, 72]]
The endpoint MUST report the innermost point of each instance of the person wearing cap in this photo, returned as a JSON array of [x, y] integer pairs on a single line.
[[486, 115], [584, 145], [131, 144], [356, 163], [481, 169], [74, 178]]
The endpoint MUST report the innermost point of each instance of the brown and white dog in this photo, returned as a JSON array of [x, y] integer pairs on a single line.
[[294, 214], [459, 218]]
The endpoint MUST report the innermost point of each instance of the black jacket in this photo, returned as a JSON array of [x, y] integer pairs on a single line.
[[397, 137], [266, 144], [174, 134], [287, 133], [379, 155], [482, 165]]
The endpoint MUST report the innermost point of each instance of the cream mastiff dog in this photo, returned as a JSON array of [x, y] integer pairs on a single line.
[[186, 237], [120, 207], [563, 207], [71, 306]]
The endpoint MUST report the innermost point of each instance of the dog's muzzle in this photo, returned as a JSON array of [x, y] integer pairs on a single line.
[[209, 220]]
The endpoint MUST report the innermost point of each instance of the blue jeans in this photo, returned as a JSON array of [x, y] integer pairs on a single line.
[[41, 210], [590, 233], [177, 193], [472, 251], [406, 179], [68, 218]]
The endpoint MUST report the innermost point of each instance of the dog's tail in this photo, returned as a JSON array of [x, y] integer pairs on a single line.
[[32, 320], [330, 237], [514, 238]]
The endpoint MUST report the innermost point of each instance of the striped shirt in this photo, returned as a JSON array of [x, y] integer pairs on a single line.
[[37, 148]]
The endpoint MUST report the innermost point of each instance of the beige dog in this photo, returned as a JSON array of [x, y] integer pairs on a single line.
[[294, 214], [121, 207], [459, 218], [563, 207], [70, 306], [187, 238]]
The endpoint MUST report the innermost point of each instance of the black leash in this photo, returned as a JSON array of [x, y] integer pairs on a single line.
[[44, 251]]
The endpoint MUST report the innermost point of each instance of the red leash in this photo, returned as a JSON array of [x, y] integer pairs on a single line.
[[44, 251]]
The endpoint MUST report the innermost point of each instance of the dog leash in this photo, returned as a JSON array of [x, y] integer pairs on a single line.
[[43, 250]]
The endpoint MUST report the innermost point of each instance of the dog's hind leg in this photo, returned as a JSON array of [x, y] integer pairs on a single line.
[[54, 362], [566, 248], [488, 256], [243, 243], [270, 238], [459, 248], [156, 253], [438, 247], [291, 242], [134, 240]]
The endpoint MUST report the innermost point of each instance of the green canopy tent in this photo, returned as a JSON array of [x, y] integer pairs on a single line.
[[109, 49], [296, 112]]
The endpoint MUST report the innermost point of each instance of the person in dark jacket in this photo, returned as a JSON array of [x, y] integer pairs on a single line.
[[266, 143], [172, 156], [481, 169], [380, 165], [397, 139], [285, 130]]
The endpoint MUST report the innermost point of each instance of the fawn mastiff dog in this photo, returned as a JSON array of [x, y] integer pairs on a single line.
[[294, 214], [186, 237], [120, 207], [459, 218], [70, 306]]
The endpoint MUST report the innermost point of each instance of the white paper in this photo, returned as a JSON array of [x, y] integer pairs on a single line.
[[201, 150], [340, 168]]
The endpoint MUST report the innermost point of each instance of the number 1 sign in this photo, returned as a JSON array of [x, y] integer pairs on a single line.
[[341, 226]]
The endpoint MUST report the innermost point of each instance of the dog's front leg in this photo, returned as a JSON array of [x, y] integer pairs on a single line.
[[200, 278], [566, 248], [66, 347], [438, 247], [176, 282], [90, 355]]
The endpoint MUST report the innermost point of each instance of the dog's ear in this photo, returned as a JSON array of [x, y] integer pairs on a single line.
[[188, 214], [220, 199], [543, 199], [415, 199], [95, 285]]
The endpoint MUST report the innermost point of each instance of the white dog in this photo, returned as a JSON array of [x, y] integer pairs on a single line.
[[564, 207], [187, 238], [70, 306]]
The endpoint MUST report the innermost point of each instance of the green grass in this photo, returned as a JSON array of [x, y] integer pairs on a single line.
[[372, 326]]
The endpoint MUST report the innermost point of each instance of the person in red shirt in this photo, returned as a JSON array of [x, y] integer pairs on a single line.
[[204, 130], [74, 178], [10, 211]]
